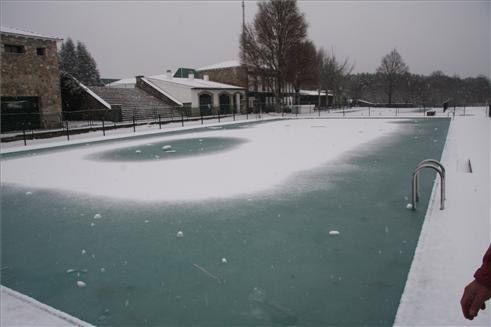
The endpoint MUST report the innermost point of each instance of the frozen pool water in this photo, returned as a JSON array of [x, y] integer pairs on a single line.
[[282, 266]]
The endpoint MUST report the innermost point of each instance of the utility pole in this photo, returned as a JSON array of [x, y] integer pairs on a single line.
[[245, 66]]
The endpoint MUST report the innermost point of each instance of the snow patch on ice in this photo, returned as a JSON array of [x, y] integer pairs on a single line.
[[241, 169]]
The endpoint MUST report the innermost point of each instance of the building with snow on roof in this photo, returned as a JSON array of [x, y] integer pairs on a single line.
[[30, 88], [198, 96], [260, 88]]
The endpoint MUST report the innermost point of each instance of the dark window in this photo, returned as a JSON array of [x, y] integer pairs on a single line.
[[41, 51], [14, 48], [19, 113]]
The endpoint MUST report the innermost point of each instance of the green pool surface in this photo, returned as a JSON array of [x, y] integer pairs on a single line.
[[168, 150], [283, 267]]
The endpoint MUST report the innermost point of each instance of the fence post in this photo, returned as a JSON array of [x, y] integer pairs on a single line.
[[134, 124], [160, 122], [369, 109], [218, 112], [464, 110], [67, 131], [24, 134], [319, 110], [201, 115], [182, 117], [103, 128], [343, 112], [233, 112]]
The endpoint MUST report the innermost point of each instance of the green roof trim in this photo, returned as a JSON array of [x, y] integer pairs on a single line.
[[184, 72]]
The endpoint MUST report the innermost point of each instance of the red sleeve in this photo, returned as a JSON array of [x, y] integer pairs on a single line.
[[483, 274]]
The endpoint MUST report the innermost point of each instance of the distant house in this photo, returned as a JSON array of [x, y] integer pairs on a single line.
[[311, 97], [194, 94], [260, 88], [30, 88]]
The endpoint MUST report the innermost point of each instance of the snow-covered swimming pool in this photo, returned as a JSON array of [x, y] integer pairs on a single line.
[[309, 216]]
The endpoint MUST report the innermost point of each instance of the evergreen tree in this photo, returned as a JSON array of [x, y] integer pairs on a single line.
[[87, 67], [68, 58]]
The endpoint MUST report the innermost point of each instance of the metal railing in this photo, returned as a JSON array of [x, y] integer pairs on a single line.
[[440, 169]]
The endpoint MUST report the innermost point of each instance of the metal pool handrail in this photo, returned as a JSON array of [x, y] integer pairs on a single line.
[[430, 161], [433, 164]]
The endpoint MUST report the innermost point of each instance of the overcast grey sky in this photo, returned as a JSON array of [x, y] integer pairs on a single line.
[[129, 38]]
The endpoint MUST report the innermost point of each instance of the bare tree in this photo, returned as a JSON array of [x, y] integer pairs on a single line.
[[303, 66], [391, 68], [277, 29], [333, 73]]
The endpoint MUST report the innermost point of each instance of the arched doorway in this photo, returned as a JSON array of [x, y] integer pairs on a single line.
[[205, 103], [225, 103]]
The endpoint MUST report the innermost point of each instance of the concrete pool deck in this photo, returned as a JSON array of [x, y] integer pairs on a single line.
[[452, 241], [449, 250], [20, 310]]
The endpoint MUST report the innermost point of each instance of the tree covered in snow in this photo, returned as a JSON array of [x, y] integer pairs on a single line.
[[76, 61], [391, 69], [76, 65], [68, 58], [86, 66], [278, 28]]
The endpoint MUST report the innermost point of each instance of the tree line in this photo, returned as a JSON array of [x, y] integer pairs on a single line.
[[276, 45]]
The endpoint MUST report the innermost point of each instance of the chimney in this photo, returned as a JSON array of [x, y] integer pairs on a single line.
[[168, 74], [206, 78], [138, 79], [191, 76]]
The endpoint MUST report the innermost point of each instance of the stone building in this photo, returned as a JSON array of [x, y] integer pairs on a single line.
[[260, 89], [30, 85]]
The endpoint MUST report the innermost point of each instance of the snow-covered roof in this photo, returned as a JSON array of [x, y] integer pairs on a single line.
[[158, 89], [124, 81], [225, 64], [314, 92], [17, 32], [195, 83], [93, 94]]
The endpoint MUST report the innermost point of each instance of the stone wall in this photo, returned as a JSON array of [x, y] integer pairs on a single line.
[[232, 75], [33, 72]]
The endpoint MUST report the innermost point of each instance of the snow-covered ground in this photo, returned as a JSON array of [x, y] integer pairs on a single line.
[[451, 243]]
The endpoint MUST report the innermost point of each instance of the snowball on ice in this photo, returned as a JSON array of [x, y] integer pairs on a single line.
[[138, 151], [166, 147], [83, 251], [224, 260], [28, 193], [409, 206], [97, 216], [81, 284], [180, 234], [333, 232]]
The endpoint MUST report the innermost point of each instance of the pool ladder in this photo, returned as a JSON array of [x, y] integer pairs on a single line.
[[435, 165]]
